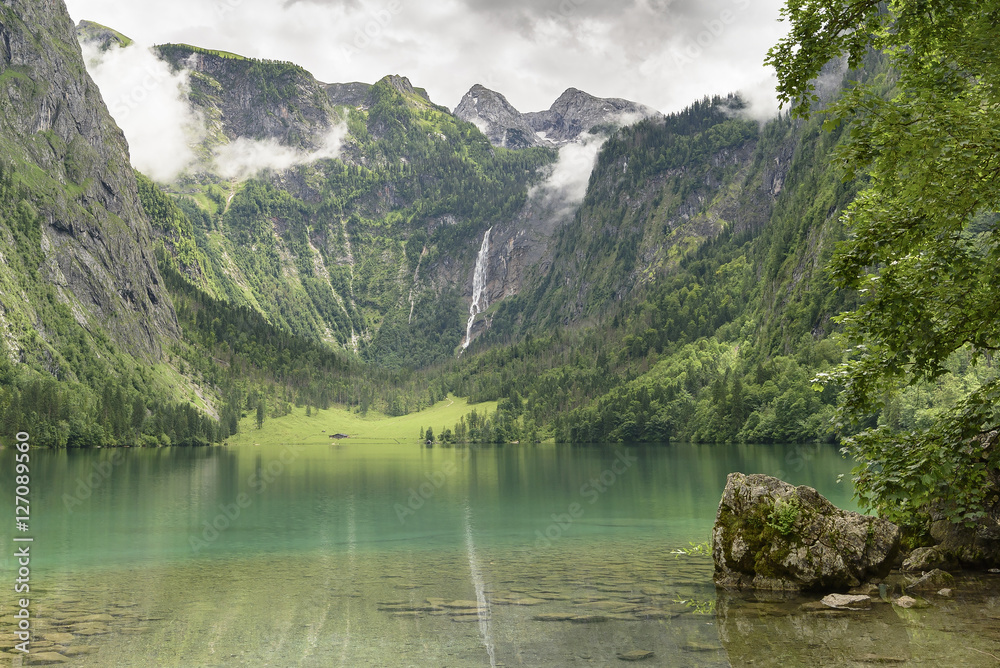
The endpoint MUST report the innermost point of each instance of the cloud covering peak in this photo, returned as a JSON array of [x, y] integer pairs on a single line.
[[166, 135], [664, 53]]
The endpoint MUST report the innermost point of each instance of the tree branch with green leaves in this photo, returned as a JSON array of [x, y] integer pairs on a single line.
[[923, 246]]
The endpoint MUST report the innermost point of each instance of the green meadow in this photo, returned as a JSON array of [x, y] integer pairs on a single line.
[[297, 427]]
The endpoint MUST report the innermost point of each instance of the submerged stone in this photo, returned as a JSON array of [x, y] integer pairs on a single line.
[[588, 619], [635, 655], [771, 535], [460, 604], [47, 658], [932, 581], [880, 659], [847, 601]]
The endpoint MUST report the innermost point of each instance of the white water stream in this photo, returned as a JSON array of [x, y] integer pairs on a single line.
[[479, 302]]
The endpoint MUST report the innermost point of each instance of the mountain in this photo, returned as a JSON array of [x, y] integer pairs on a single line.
[[689, 297], [74, 230], [496, 118], [576, 112], [372, 252], [87, 324], [309, 201], [573, 114], [663, 281], [243, 97]]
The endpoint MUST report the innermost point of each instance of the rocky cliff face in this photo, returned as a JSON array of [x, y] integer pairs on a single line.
[[496, 118], [256, 99], [576, 112], [353, 94], [72, 160]]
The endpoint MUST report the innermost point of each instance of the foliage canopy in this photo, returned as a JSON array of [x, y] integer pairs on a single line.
[[924, 246]]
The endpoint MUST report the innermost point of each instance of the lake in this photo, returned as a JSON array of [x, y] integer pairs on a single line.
[[356, 554]]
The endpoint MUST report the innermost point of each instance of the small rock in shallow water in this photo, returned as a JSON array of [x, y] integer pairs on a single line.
[[946, 593], [47, 658], [467, 611], [469, 618], [931, 581], [526, 601], [699, 647], [905, 601], [880, 658], [847, 601], [652, 613], [554, 617], [635, 655], [588, 619]]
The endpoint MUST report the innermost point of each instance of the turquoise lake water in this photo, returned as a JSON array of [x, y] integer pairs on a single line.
[[399, 555]]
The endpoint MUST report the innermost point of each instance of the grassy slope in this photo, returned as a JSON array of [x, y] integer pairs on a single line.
[[375, 427]]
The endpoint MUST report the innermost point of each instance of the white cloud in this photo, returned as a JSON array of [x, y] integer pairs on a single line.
[[564, 188], [245, 157], [664, 53], [762, 99], [149, 103]]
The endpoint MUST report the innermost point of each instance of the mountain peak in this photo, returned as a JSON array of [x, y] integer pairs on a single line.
[[573, 92], [403, 86], [399, 83], [576, 111], [496, 118], [103, 36]]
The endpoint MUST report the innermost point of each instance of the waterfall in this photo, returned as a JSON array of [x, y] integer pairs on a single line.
[[479, 303], [482, 605]]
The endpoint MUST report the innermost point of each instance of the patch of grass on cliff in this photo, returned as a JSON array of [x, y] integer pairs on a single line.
[[375, 427], [197, 49], [123, 39]]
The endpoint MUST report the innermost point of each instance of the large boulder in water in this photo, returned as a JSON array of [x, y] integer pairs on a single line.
[[977, 546], [772, 535]]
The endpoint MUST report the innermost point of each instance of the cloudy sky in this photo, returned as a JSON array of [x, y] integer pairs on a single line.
[[664, 53]]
